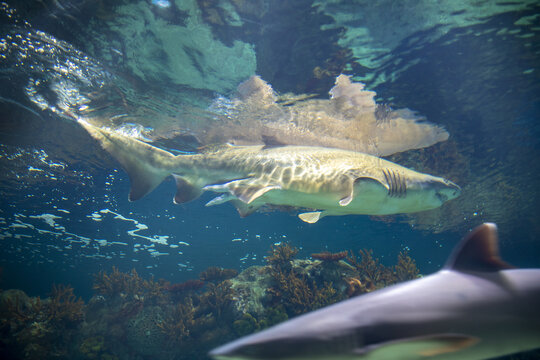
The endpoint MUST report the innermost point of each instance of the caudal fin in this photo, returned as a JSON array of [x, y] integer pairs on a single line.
[[146, 165]]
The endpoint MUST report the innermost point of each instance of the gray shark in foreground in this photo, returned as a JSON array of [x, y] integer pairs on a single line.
[[476, 307], [334, 181]]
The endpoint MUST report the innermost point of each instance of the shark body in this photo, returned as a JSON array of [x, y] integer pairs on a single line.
[[333, 181], [474, 308]]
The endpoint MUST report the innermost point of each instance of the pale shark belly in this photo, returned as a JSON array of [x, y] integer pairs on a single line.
[[376, 202], [370, 199]]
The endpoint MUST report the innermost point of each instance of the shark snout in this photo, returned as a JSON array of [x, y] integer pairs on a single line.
[[445, 189]]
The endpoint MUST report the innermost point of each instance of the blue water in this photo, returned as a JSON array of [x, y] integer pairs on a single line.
[[480, 81]]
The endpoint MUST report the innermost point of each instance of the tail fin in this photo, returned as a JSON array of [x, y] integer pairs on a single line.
[[146, 165]]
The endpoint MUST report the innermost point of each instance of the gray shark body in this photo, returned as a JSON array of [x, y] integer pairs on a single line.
[[475, 308], [333, 181]]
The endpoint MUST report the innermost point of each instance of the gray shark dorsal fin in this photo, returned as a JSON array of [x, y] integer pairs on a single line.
[[478, 251]]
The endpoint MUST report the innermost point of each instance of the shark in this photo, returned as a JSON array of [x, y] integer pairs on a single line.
[[476, 307], [327, 180]]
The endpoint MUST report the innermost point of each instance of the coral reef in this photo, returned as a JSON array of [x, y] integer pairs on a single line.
[[33, 328], [131, 317]]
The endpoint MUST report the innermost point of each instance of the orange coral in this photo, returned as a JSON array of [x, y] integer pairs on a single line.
[[330, 257]]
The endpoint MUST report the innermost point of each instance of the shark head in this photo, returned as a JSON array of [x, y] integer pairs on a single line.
[[443, 190], [433, 192], [476, 307]]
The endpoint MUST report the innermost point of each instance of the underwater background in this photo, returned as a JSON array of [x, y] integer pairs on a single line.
[[156, 279]]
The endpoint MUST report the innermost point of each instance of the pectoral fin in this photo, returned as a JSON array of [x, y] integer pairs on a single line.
[[420, 347], [311, 217]]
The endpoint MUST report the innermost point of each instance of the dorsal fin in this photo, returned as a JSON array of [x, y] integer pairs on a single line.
[[271, 142], [478, 251]]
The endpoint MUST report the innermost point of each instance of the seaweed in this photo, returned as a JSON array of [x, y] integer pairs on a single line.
[[179, 322], [299, 294], [64, 308], [130, 285], [118, 283], [134, 317], [370, 272], [33, 328], [281, 256], [406, 268], [217, 300], [181, 290], [217, 274]]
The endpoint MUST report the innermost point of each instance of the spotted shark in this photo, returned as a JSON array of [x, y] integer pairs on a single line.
[[331, 181], [476, 307]]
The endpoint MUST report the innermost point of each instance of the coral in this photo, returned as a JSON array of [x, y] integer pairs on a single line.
[[247, 324], [330, 257], [217, 300], [131, 285], [92, 347], [298, 294], [370, 272], [405, 269], [180, 290], [178, 323], [117, 283], [281, 255], [35, 329], [273, 315], [250, 290], [140, 318], [143, 333], [64, 307], [217, 274]]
